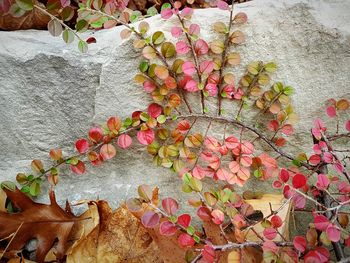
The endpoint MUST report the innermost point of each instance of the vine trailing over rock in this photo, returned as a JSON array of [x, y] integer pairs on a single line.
[[185, 77]]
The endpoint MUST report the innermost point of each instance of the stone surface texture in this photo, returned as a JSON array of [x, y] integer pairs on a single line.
[[50, 94]]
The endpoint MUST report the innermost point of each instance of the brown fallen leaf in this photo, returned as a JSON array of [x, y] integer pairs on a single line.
[[119, 237], [30, 20], [46, 223]]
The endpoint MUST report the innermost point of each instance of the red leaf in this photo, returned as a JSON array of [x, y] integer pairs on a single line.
[[273, 125], [150, 219], [277, 184], [124, 141], [299, 243], [167, 228], [276, 221], [186, 241], [287, 129], [107, 151], [270, 233], [299, 180], [321, 222], [184, 220], [314, 159], [79, 168], [91, 40], [170, 205], [333, 233], [218, 216], [284, 175], [154, 110], [183, 126], [331, 111], [204, 213], [95, 134], [145, 137], [208, 254], [322, 181], [82, 145]]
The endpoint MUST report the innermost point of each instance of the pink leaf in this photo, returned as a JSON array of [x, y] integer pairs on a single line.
[[65, 3], [124, 141], [246, 160], [170, 205], [107, 151], [327, 157], [167, 228], [218, 216], [186, 241], [333, 233], [247, 148], [222, 5], [270, 246], [299, 243], [277, 184], [270, 233], [184, 220], [154, 110], [322, 181], [211, 89], [231, 142], [201, 47], [176, 31], [212, 144], [189, 68], [79, 168], [321, 222], [191, 86], [299, 180], [234, 166], [347, 125], [82, 145], [194, 29], [208, 254], [145, 137], [166, 13], [268, 161], [198, 172], [331, 111], [149, 86], [150, 219], [187, 12], [206, 66], [182, 48], [287, 129]]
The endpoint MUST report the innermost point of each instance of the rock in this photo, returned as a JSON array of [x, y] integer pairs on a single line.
[[50, 94]]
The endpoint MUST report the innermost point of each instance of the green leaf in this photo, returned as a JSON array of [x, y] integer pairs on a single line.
[[143, 66], [135, 16], [161, 119], [168, 49], [67, 13], [158, 37], [196, 184], [190, 230], [270, 67], [68, 36], [82, 46], [34, 189], [99, 23], [16, 11], [8, 185], [81, 26], [54, 27], [25, 189], [26, 5], [152, 11], [288, 90], [278, 87], [296, 163], [21, 178], [165, 6]]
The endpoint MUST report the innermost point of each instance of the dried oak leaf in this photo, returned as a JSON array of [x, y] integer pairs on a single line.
[[46, 223], [119, 237], [34, 19]]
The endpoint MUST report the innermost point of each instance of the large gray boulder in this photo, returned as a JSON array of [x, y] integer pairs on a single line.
[[50, 94]]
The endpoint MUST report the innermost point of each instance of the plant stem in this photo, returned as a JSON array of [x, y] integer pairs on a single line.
[[223, 58], [58, 20]]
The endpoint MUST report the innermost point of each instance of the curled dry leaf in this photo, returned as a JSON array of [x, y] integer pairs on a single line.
[[46, 223], [119, 237], [30, 20]]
